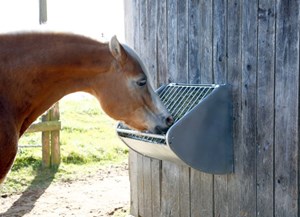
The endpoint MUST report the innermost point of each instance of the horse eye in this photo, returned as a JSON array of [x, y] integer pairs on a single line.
[[142, 82]]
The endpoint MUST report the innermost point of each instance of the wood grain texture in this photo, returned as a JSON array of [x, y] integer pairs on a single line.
[[220, 185], [46, 159], [247, 149], [182, 77], [287, 109], [170, 205], [172, 73], [206, 41], [265, 108], [55, 135], [204, 205], [131, 37], [162, 43], [194, 49], [162, 69], [253, 46], [234, 52]]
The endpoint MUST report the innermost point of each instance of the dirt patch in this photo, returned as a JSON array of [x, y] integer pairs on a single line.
[[104, 193]]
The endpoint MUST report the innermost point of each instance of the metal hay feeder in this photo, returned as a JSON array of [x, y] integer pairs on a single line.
[[201, 136]]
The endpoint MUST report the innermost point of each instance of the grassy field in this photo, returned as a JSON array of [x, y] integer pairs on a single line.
[[88, 140]]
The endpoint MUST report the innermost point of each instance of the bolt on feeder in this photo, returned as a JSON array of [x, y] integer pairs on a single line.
[[201, 136]]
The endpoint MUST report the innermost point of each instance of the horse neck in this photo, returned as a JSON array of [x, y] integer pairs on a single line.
[[47, 74]]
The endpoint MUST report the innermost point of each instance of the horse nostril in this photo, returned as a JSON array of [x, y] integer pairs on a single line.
[[169, 121]]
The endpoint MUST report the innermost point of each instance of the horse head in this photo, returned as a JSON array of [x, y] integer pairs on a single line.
[[128, 96]]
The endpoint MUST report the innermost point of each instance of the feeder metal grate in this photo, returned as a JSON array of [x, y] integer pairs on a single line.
[[201, 134]]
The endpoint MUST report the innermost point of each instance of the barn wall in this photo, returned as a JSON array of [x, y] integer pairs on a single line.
[[254, 46]]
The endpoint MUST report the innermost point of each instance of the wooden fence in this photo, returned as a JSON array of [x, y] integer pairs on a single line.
[[50, 127], [254, 46]]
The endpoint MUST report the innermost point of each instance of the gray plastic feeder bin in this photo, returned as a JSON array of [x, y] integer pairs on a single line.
[[201, 136]]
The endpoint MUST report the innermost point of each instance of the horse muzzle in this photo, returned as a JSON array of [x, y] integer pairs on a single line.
[[167, 122]]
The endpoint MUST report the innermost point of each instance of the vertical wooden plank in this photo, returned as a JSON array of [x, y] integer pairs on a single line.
[[206, 41], [287, 109], [131, 8], [147, 192], [234, 74], [55, 145], [147, 50], [242, 48], [220, 77], [182, 41], [265, 108], [172, 40], [184, 191], [139, 161], [162, 68], [182, 77], [136, 25], [247, 149], [155, 165], [170, 190], [162, 45], [46, 157], [133, 175], [201, 194], [129, 21], [202, 183], [196, 195], [140, 185], [143, 170], [152, 40], [156, 186], [195, 50], [219, 41], [170, 172]]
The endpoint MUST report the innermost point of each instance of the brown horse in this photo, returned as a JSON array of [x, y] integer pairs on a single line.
[[37, 69]]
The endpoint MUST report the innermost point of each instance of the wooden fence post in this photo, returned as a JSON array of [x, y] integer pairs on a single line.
[[43, 11], [45, 144], [55, 147], [50, 128]]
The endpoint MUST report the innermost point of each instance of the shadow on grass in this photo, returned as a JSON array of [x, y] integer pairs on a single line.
[[36, 189]]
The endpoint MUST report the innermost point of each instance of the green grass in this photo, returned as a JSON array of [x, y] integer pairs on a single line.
[[88, 141]]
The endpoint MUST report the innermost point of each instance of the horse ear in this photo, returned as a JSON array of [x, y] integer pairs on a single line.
[[117, 50]]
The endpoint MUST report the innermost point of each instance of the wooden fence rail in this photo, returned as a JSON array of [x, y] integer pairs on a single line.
[[50, 128]]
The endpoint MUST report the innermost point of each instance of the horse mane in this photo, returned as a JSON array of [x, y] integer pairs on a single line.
[[136, 57]]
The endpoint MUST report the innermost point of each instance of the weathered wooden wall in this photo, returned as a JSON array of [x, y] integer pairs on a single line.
[[254, 46]]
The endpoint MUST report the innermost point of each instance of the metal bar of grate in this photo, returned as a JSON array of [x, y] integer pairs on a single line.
[[179, 100], [141, 134], [179, 112], [185, 100]]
